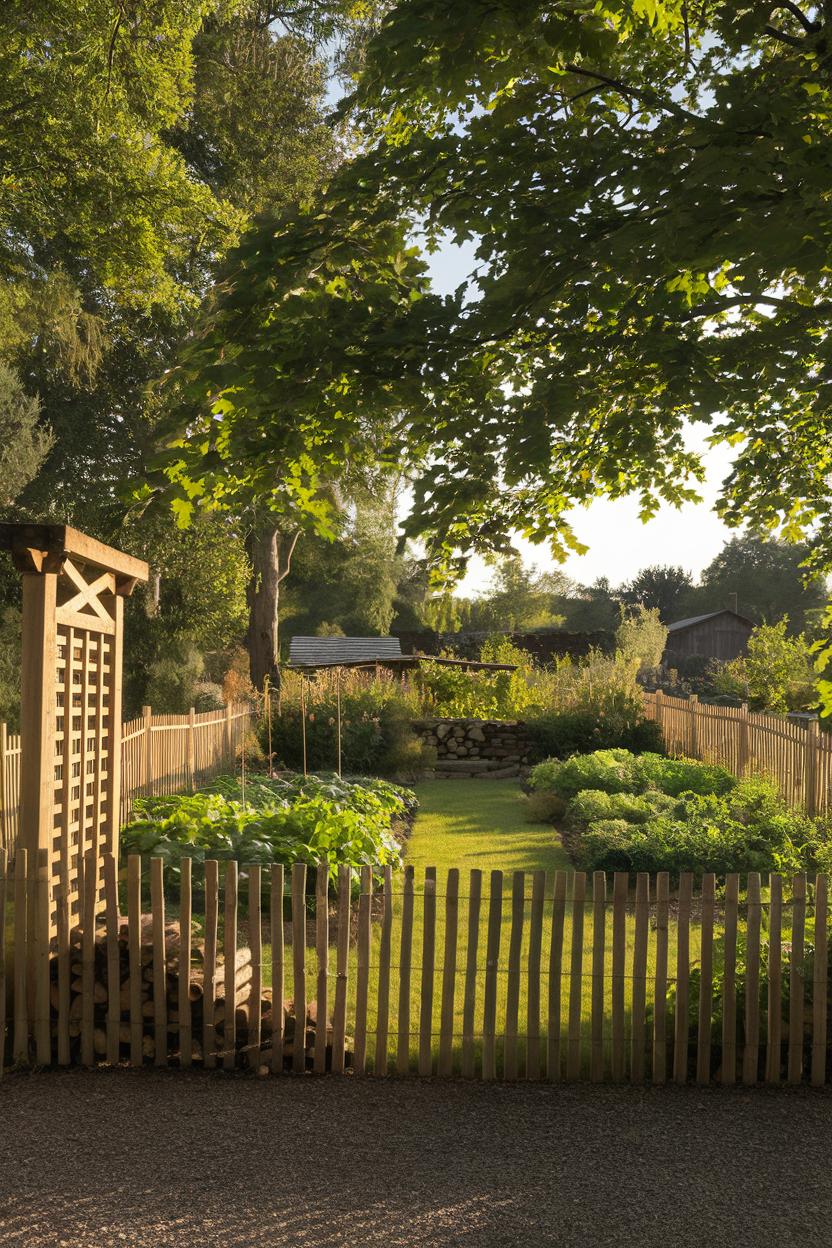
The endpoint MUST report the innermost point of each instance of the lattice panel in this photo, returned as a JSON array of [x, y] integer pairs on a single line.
[[83, 720]]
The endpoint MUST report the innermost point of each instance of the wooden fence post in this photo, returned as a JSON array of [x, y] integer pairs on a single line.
[[192, 748], [693, 714], [229, 741], [147, 716], [810, 768], [743, 750]]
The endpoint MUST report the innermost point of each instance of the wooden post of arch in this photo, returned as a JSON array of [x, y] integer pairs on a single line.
[[70, 791]]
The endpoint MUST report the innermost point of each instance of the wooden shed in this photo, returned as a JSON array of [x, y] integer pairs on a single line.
[[721, 635]]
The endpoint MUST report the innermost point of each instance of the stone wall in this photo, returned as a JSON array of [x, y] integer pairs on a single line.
[[489, 748]]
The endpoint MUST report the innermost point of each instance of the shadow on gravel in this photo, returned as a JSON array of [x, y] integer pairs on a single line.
[[150, 1159]]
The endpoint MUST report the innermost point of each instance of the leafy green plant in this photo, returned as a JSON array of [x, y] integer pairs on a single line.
[[776, 674], [619, 771], [581, 731], [291, 819], [376, 717]]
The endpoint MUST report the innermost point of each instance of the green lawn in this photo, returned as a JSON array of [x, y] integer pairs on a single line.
[[480, 823]]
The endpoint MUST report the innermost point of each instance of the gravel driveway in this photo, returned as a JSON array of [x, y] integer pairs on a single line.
[[151, 1159]]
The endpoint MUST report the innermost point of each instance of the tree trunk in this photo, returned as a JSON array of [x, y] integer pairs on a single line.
[[270, 551]]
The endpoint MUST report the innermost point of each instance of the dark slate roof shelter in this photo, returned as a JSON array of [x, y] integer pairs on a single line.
[[342, 651]]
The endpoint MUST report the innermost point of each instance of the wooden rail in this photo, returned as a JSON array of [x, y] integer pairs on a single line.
[[797, 756], [519, 977], [159, 754]]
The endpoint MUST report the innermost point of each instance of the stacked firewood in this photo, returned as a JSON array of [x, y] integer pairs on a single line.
[[246, 1050]]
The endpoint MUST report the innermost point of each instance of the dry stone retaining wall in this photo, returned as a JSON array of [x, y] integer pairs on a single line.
[[492, 749]]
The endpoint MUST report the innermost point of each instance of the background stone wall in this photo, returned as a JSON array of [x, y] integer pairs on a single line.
[[491, 748]]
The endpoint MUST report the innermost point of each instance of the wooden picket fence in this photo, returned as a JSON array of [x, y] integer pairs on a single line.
[[798, 756], [159, 754], [560, 978]]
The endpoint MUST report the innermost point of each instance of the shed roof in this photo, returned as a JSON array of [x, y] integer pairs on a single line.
[[678, 625], [338, 651]]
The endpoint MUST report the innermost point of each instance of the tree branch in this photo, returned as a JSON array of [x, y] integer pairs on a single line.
[[780, 35], [646, 97], [808, 25]]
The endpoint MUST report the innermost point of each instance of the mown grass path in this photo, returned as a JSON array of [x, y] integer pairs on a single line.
[[479, 823]]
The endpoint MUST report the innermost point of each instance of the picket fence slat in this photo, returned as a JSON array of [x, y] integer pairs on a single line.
[[753, 924], [362, 974], [428, 956], [489, 1025], [113, 976], [706, 980], [533, 979], [183, 976], [278, 954], [209, 965], [229, 951], [681, 1042], [553, 1046], [599, 926], [775, 954], [639, 1007], [729, 989], [573, 1049], [299, 964], [470, 990], [660, 984], [322, 954], [255, 996], [446, 1024], [620, 890], [134, 937], [339, 1022], [796, 979], [405, 957], [518, 901]]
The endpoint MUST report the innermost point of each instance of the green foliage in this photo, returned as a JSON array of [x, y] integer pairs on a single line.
[[769, 580], [24, 440], [517, 599], [292, 819], [648, 813], [348, 584], [740, 832], [376, 718], [560, 734], [668, 277], [660, 588], [619, 771], [642, 637], [775, 675], [10, 641]]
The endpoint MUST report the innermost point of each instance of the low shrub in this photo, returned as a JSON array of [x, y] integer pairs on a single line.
[[579, 732], [620, 771], [291, 819], [748, 829], [628, 812]]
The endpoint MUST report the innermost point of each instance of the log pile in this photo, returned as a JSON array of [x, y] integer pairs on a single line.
[[246, 1055]]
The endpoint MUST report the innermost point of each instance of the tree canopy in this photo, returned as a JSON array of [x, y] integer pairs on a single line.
[[647, 186]]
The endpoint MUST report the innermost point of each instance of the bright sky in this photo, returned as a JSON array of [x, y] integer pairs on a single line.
[[619, 544]]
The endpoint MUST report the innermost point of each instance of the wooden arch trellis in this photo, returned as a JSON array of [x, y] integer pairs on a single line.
[[71, 671]]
